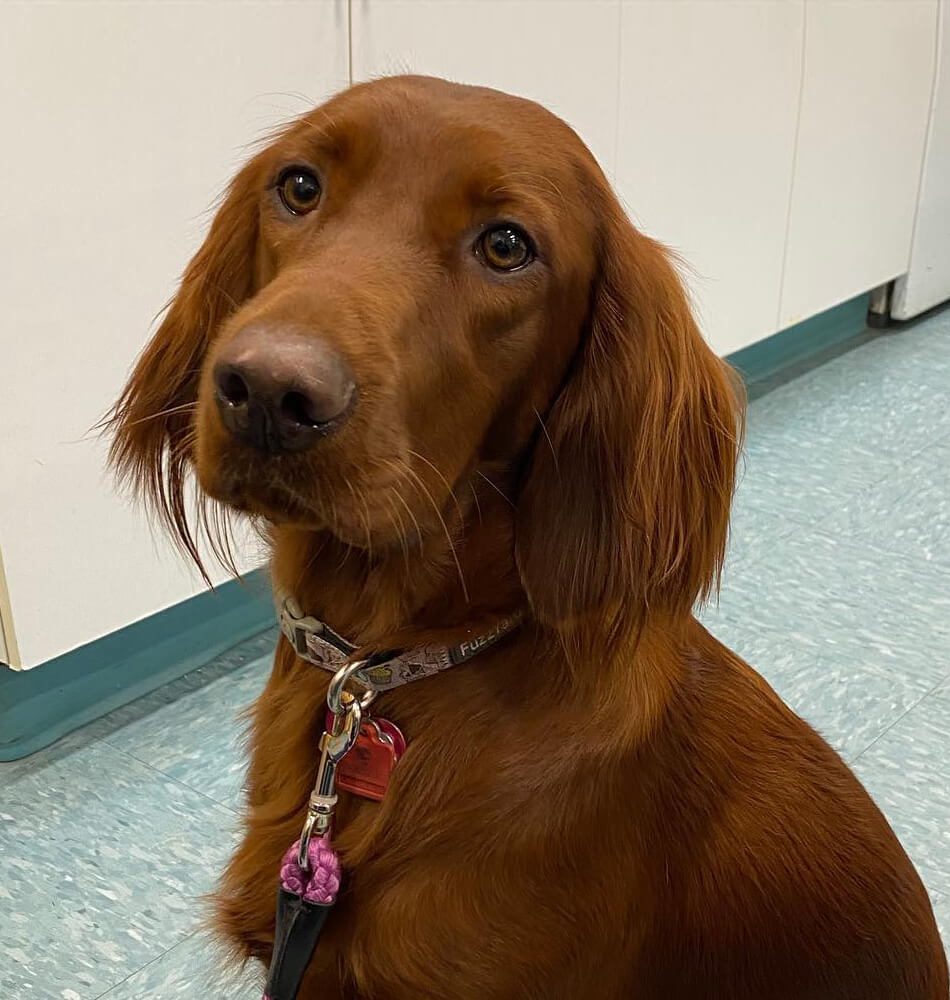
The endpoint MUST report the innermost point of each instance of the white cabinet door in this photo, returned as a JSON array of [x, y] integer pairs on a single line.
[[868, 77], [708, 105], [927, 281], [562, 53], [122, 122]]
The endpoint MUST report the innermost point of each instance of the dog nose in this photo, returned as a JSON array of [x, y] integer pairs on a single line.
[[281, 391]]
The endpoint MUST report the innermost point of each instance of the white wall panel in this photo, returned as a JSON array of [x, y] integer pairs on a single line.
[[122, 123], [867, 83], [708, 106], [563, 53]]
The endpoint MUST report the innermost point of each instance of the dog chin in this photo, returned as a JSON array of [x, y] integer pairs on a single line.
[[283, 509], [275, 503]]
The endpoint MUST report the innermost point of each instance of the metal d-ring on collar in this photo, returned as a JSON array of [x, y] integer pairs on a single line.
[[337, 689]]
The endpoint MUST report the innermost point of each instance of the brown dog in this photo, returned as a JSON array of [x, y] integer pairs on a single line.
[[423, 346]]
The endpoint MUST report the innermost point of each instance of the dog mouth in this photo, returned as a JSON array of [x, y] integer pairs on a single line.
[[275, 501], [369, 492], [286, 492], [371, 516]]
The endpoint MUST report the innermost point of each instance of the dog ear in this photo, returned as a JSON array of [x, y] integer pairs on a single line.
[[152, 421], [627, 510]]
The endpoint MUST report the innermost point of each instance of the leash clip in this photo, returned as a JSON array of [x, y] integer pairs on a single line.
[[335, 743]]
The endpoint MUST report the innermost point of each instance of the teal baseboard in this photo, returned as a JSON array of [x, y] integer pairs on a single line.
[[803, 344], [39, 706]]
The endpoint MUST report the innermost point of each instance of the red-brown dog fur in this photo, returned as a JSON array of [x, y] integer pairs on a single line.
[[608, 804]]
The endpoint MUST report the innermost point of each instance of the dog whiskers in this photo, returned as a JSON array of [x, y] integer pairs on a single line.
[[412, 516], [478, 505], [447, 484], [362, 509], [495, 487], [183, 408], [401, 534], [448, 537], [547, 436]]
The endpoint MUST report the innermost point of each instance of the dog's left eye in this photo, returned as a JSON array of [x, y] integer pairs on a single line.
[[505, 248], [299, 190]]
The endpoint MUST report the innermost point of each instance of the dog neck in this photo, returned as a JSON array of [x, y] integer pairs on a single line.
[[443, 582], [396, 599]]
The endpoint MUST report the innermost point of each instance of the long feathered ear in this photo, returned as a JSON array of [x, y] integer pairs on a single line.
[[153, 419], [628, 509]]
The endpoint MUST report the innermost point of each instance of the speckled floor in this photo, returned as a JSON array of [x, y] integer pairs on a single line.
[[837, 589]]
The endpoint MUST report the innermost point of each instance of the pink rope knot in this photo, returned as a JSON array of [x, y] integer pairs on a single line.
[[321, 881]]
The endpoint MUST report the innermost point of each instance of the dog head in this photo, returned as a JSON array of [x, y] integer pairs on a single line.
[[419, 280]]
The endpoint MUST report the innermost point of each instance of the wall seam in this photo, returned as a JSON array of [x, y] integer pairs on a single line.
[[9, 650], [349, 41], [791, 187]]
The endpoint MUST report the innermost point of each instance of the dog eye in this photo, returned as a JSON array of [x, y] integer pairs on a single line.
[[299, 190], [505, 248]]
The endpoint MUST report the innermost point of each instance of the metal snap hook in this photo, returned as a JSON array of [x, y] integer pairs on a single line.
[[347, 711], [333, 748]]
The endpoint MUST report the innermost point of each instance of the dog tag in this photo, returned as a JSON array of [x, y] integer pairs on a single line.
[[367, 768]]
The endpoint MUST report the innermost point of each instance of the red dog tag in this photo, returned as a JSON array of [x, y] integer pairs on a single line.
[[368, 766]]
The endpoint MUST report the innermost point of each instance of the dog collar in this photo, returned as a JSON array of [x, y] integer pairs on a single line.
[[317, 643]]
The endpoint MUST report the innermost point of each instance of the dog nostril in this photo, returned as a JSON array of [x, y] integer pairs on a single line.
[[233, 389], [299, 409], [281, 395]]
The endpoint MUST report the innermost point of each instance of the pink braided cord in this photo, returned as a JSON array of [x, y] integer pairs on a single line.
[[320, 881]]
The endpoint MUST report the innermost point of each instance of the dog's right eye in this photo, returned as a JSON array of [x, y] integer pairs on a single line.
[[299, 190]]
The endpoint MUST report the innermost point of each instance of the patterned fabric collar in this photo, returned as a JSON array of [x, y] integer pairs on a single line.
[[317, 643]]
